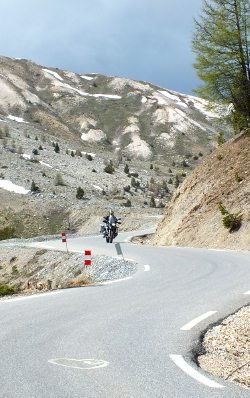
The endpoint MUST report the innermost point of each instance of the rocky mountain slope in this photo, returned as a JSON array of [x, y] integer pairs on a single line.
[[218, 188], [142, 120], [124, 143]]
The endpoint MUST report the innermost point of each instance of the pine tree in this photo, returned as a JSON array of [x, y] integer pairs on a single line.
[[34, 187], [57, 149], [79, 193], [126, 169], [222, 47], [152, 202]]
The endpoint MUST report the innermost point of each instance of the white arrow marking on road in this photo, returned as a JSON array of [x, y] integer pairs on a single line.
[[181, 363], [200, 318], [146, 268], [84, 364]]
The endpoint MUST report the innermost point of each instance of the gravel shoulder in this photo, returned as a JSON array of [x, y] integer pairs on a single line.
[[225, 349]]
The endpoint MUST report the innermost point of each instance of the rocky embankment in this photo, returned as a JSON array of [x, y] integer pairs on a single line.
[[30, 270], [226, 349]]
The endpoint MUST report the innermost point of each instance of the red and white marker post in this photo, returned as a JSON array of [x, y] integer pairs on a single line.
[[64, 240], [87, 260]]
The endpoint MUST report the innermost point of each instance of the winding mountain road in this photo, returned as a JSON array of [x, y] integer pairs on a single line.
[[131, 338]]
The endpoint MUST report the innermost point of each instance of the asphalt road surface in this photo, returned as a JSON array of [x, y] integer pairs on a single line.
[[131, 338]]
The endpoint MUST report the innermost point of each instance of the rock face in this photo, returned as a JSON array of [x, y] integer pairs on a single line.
[[193, 218]]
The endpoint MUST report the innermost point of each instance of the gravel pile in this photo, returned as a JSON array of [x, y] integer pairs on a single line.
[[31, 270], [227, 349]]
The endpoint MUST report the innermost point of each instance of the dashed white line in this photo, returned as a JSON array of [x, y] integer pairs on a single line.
[[146, 268], [200, 318], [85, 364], [182, 364]]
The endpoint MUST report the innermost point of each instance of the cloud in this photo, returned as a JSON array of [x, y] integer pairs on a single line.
[[140, 39]]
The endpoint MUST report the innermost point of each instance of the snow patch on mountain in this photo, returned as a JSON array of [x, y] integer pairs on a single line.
[[51, 72], [9, 186], [87, 77], [16, 119]]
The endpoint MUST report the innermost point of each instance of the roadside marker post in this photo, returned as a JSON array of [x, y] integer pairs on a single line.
[[64, 240], [119, 250], [87, 261]]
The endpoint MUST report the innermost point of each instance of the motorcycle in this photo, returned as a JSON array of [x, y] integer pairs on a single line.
[[110, 230]]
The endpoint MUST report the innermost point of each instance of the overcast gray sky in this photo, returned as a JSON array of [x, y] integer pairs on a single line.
[[146, 40]]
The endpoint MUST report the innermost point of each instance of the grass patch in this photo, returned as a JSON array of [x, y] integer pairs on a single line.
[[6, 290], [80, 281]]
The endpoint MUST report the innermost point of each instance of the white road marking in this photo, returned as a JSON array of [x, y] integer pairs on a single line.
[[200, 318], [32, 296], [84, 364], [114, 281], [146, 268], [181, 363], [248, 292]]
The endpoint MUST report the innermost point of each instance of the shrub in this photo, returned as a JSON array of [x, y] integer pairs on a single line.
[[126, 169], [177, 181], [72, 154], [184, 163], [231, 221], [238, 177], [89, 157], [127, 204], [14, 271], [133, 182], [109, 168], [35, 152], [79, 193], [152, 202], [78, 153], [7, 232], [127, 188], [220, 139], [59, 180], [7, 289], [34, 187]]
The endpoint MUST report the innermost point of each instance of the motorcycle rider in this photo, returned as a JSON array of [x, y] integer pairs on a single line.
[[109, 219]]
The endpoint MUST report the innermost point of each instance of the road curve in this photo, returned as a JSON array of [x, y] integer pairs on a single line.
[[128, 339]]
